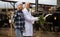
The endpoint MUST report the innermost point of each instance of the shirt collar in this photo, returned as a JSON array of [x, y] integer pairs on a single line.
[[27, 9]]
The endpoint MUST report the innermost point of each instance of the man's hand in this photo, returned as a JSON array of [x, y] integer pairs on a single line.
[[36, 18]]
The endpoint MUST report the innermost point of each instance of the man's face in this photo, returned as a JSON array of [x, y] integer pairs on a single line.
[[20, 7], [27, 5]]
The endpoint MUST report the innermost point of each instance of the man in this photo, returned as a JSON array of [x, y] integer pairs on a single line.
[[29, 20], [19, 20]]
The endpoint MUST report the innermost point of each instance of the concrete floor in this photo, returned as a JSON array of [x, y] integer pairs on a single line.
[[46, 34], [10, 33]]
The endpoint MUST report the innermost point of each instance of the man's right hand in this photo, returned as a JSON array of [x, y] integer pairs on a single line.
[[36, 18]]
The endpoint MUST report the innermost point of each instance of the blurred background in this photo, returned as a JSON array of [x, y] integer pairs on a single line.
[[37, 8]]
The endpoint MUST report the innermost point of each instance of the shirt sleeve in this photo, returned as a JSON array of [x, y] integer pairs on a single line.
[[34, 18], [15, 15], [27, 17]]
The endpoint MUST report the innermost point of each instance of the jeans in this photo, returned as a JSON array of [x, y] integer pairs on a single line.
[[18, 33]]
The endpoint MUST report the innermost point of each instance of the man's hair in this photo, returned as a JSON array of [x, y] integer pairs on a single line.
[[19, 3]]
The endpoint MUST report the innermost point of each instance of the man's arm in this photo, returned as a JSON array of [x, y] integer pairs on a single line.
[[15, 15], [27, 17]]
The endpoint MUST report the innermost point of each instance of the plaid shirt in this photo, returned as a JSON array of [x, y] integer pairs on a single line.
[[19, 20]]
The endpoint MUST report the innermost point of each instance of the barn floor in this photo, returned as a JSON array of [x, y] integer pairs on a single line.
[[9, 32]]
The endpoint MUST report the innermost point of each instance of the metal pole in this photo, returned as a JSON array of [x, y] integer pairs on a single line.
[[14, 7], [36, 6]]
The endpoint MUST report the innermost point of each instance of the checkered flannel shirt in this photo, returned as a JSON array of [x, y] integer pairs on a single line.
[[19, 20]]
